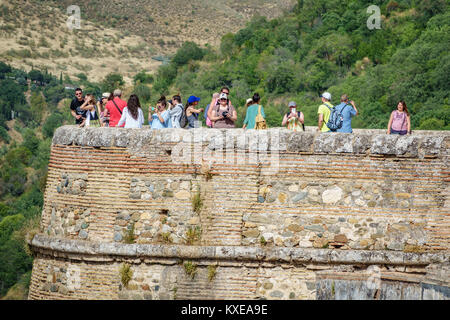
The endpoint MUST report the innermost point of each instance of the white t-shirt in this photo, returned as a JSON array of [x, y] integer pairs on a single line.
[[129, 121]]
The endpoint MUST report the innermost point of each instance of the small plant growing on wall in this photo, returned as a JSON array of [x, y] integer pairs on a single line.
[[190, 269], [193, 235], [166, 237], [263, 241], [197, 201], [125, 274], [129, 235], [211, 272]]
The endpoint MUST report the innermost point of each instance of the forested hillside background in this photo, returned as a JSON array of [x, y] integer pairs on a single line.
[[320, 45]]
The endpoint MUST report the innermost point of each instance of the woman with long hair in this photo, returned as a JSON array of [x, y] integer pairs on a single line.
[[103, 112], [132, 114], [400, 121]]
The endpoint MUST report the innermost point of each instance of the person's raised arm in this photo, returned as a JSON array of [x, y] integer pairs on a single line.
[[354, 107], [285, 119], [302, 118], [193, 110], [212, 105]]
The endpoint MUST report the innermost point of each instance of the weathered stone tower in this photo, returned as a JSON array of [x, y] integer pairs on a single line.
[[228, 214]]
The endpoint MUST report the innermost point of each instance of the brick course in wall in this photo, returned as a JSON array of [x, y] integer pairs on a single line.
[[269, 189]]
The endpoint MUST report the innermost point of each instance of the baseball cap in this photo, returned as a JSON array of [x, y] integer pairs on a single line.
[[326, 95], [223, 96], [193, 99], [105, 95], [292, 104], [249, 100]]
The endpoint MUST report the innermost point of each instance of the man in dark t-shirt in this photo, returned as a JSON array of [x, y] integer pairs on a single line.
[[75, 105]]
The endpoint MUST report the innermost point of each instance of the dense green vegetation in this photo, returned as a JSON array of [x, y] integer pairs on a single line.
[[326, 45], [31, 99]]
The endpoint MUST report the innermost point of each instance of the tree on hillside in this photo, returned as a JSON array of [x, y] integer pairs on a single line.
[[112, 81], [188, 51], [38, 106]]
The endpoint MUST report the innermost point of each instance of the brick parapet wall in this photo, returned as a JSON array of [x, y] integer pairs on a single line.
[[371, 197]]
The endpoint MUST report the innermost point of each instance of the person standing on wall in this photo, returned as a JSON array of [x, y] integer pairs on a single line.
[[132, 115], [215, 102], [224, 115], [253, 112], [348, 110], [324, 112], [294, 119], [192, 113], [176, 112], [115, 107], [400, 121], [75, 107]]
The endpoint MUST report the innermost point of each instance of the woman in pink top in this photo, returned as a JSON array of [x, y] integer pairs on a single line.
[[400, 121]]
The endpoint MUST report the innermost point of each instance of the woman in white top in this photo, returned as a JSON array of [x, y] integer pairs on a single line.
[[132, 114]]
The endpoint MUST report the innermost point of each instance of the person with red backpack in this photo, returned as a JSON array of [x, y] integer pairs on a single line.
[[294, 119]]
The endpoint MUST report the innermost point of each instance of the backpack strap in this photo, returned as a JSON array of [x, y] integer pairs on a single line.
[[117, 106]]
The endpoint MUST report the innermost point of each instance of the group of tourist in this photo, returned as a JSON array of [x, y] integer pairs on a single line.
[[112, 111]]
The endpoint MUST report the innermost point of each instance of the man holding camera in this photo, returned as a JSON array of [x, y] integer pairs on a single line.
[[348, 110], [224, 115]]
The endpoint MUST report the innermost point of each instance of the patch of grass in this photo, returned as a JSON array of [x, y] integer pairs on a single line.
[[129, 236], [166, 237], [212, 270], [27, 233], [125, 274], [197, 202], [193, 235], [190, 268], [263, 241]]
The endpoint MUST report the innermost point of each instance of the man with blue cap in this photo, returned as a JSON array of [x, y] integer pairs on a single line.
[[192, 113]]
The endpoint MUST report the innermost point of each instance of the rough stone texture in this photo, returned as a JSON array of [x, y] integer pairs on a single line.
[[272, 207]]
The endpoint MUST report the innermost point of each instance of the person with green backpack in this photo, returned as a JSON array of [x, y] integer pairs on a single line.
[[324, 112]]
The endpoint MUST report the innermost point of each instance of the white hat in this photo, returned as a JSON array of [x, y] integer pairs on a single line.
[[249, 100], [327, 96], [223, 96], [105, 95]]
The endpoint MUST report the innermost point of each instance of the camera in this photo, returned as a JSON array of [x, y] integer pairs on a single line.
[[224, 114]]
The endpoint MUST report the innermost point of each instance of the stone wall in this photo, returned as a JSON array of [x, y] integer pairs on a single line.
[[363, 192]]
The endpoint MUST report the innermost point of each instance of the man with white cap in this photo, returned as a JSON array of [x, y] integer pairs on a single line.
[[325, 112]]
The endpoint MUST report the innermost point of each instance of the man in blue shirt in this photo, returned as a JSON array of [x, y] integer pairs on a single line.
[[348, 111]]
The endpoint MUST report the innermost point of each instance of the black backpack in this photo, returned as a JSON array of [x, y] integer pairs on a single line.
[[183, 119]]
